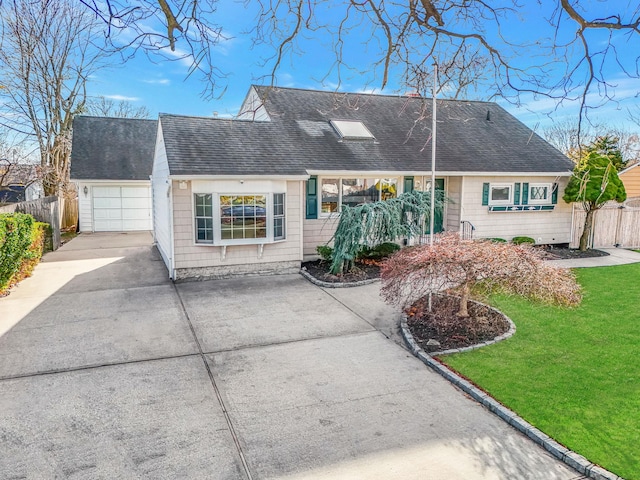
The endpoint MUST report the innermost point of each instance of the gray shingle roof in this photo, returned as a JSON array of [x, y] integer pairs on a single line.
[[112, 148], [471, 137]]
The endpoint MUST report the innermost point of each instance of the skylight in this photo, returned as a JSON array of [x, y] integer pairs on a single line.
[[351, 130]]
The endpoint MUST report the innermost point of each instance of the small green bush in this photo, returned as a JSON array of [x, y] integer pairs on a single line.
[[497, 240], [325, 252], [521, 240], [378, 252], [21, 244]]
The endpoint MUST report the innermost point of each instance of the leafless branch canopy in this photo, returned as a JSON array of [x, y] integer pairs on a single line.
[[107, 107], [473, 42], [175, 30]]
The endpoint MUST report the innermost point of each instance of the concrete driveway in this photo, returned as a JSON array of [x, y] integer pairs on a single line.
[[108, 370]]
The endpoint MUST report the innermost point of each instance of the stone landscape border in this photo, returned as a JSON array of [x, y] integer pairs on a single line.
[[569, 457], [321, 283]]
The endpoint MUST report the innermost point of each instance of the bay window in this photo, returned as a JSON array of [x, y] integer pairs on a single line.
[[239, 219]]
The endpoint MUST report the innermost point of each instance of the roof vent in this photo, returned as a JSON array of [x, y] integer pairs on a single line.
[[488, 115], [351, 130]]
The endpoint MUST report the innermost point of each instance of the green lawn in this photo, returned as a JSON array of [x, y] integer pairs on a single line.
[[573, 373]]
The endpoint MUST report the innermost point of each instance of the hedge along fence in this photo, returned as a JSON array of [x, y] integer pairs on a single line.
[[21, 243]]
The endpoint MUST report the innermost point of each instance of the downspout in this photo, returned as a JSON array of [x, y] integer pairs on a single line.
[[303, 209], [172, 270]]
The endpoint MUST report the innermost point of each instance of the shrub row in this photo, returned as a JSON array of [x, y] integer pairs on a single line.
[[514, 240], [21, 243]]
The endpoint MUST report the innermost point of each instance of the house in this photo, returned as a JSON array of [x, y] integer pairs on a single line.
[[259, 193], [19, 182], [630, 177], [111, 160]]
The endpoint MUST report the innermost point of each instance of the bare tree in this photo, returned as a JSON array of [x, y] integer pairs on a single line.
[[48, 51], [558, 49], [107, 107], [170, 29], [571, 138]]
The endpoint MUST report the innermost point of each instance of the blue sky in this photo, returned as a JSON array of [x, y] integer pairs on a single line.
[[162, 86]]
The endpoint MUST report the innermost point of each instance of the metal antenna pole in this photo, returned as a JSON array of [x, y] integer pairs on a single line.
[[433, 163], [433, 155]]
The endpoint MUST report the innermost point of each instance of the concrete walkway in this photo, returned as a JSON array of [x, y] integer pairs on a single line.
[[108, 370], [617, 256]]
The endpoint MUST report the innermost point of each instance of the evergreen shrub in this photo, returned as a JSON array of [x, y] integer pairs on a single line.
[[21, 244]]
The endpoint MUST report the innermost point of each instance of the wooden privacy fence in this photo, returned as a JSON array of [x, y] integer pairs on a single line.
[[45, 209], [614, 225], [69, 214]]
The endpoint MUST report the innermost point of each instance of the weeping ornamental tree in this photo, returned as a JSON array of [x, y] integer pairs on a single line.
[[461, 266], [384, 221], [594, 182]]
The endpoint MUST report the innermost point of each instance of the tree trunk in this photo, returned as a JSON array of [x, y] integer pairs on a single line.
[[586, 232], [463, 312]]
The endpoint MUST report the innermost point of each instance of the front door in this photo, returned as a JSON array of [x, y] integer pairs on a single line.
[[423, 184]]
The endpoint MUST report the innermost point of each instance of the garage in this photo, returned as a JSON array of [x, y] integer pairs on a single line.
[[121, 208], [111, 163]]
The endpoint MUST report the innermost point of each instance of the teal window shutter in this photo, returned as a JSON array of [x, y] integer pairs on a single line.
[[554, 193], [408, 184], [516, 194], [312, 197], [525, 193], [485, 194]]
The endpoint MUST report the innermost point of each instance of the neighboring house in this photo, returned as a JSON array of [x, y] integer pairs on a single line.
[[261, 192], [111, 160], [630, 177], [19, 182]]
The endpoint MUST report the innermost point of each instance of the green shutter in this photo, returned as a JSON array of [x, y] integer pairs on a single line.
[[485, 194], [312, 197], [554, 193], [516, 194], [408, 184], [525, 194]]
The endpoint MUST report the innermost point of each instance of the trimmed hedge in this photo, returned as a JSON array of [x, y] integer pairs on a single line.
[[522, 240], [21, 244]]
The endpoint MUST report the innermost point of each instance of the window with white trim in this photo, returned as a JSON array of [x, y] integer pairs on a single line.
[[230, 219], [540, 193], [500, 194], [354, 191], [243, 217], [204, 217], [278, 216]]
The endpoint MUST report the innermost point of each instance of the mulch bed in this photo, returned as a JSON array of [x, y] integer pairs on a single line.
[[320, 270], [551, 252], [442, 329]]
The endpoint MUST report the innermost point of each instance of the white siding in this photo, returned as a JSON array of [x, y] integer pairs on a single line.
[[85, 215], [317, 232], [544, 227], [161, 191], [453, 190], [253, 108]]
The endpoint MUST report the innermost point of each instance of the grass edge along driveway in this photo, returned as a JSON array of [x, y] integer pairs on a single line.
[[573, 373]]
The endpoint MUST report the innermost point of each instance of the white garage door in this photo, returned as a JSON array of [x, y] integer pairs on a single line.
[[120, 209]]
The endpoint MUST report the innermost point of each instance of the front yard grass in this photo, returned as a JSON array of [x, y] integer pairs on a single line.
[[573, 373]]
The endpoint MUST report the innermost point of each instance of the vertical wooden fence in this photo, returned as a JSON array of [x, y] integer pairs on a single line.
[[614, 225]]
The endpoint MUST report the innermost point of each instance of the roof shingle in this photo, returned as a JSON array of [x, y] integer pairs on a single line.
[[472, 137], [106, 148]]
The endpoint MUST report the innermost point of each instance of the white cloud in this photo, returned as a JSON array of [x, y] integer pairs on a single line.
[[159, 81], [122, 98]]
